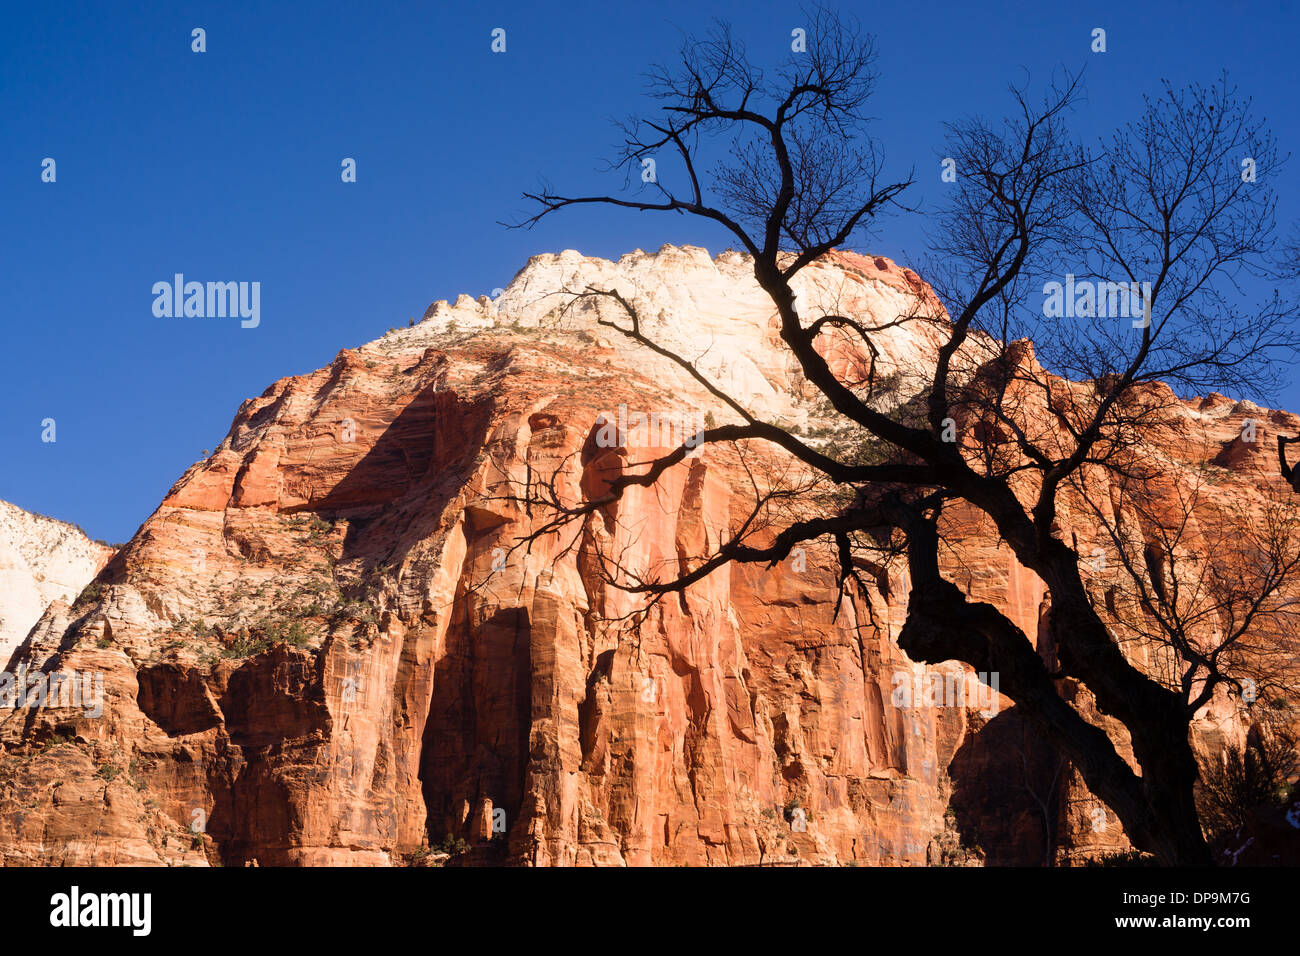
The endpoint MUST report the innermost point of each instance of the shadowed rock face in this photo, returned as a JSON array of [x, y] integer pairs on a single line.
[[326, 646]]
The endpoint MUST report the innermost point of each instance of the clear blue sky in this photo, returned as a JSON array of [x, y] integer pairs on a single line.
[[225, 166]]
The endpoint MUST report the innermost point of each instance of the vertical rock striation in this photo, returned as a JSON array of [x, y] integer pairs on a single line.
[[348, 638]]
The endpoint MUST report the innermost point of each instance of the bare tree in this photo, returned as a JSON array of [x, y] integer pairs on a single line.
[[1205, 588], [1159, 222], [1245, 779]]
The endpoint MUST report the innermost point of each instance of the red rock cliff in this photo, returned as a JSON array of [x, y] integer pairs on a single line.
[[326, 646]]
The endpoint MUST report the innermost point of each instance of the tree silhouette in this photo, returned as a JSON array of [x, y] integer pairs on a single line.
[[1290, 472], [1159, 220]]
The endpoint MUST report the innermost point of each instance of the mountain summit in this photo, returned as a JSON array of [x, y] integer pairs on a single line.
[[350, 636]]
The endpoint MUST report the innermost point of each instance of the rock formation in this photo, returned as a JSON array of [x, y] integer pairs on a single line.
[[41, 560], [329, 646]]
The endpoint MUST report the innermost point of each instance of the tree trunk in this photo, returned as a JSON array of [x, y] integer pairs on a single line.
[[1157, 809]]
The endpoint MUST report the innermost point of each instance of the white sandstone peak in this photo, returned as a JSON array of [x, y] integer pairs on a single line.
[[41, 560]]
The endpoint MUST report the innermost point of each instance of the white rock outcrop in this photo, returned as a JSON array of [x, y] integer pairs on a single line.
[[41, 560]]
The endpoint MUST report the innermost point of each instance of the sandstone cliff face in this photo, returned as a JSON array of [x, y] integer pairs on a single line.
[[41, 560], [329, 646]]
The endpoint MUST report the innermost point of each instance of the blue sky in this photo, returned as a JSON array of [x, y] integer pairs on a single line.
[[225, 166]]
